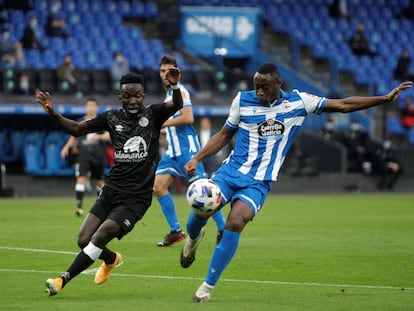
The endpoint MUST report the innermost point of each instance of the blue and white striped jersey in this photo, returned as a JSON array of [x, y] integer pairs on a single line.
[[181, 139], [265, 132]]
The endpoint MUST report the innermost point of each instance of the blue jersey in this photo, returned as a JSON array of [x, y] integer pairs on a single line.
[[181, 139], [265, 132]]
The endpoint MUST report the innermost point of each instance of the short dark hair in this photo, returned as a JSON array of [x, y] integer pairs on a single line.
[[168, 59], [92, 99], [132, 78], [269, 68]]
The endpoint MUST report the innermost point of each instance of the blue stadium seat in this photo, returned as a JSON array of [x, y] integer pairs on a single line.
[[17, 143], [394, 126], [54, 164], [150, 9], [410, 137], [4, 146], [33, 156]]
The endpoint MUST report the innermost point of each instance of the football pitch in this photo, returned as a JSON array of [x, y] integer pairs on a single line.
[[302, 252]]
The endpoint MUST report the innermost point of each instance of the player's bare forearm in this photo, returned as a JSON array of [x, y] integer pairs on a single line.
[[186, 117], [71, 127], [354, 103]]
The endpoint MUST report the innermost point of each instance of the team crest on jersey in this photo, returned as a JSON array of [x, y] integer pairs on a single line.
[[143, 122], [286, 104], [135, 150], [271, 129]]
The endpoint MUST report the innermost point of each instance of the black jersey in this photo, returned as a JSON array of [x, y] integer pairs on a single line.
[[89, 147], [136, 146]]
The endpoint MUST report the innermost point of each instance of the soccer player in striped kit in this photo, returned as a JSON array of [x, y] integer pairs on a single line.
[[265, 121], [183, 143]]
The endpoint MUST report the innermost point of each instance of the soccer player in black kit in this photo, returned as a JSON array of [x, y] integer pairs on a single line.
[[127, 193]]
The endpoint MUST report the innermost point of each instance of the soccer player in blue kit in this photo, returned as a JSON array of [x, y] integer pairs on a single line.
[[183, 143], [266, 121]]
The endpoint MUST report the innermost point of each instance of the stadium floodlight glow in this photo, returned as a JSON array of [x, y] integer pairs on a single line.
[[220, 51]]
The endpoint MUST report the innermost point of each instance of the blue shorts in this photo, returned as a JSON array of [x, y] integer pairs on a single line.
[[234, 185], [175, 167]]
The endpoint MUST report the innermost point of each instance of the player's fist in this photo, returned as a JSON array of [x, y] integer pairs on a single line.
[[191, 167], [173, 75]]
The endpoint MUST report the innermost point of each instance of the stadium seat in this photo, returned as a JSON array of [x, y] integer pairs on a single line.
[[394, 126], [17, 143], [33, 155], [4, 145], [54, 164]]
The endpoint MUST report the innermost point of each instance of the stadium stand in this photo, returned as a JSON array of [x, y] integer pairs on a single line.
[[98, 29]]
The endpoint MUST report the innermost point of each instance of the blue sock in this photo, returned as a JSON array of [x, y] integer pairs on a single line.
[[219, 219], [194, 225], [222, 256], [168, 208]]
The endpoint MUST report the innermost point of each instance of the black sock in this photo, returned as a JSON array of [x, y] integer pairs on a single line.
[[79, 198], [81, 262], [108, 256]]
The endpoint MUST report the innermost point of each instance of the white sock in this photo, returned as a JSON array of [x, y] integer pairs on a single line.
[[92, 251]]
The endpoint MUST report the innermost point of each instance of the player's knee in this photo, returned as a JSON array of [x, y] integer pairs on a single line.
[[82, 241], [159, 190], [236, 224]]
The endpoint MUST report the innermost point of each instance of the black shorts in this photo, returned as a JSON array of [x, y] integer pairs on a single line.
[[89, 163], [124, 208]]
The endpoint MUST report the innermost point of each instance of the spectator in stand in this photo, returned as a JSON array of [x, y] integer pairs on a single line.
[[55, 26], [359, 42], [385, 163], [339, 9], [10, 52], [119, 67], [355, 140], [328, 130], [67, 75], [31, 38], [402, 70], [408, 12], [407, 113], [24, 87]]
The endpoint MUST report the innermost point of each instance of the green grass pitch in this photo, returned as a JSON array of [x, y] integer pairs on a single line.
[[302, 252]]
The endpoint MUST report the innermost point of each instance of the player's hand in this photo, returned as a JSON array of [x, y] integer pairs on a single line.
[[45, 99], [393, 95], [173, 75], [64, 152], [191, 167]]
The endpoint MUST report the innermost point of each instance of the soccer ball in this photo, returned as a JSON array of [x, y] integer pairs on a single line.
[[203, 195]]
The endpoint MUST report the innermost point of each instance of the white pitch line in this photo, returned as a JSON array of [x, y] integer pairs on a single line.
[[37, 250], [181, 278]]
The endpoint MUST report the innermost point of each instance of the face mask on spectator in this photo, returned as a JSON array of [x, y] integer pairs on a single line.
[[119, 59], [33, 23], [24, 85], [6, 35]]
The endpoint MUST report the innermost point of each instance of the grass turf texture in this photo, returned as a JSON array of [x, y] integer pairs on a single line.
[[302, 252]]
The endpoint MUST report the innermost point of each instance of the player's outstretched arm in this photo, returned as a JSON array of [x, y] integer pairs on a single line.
[[354, 103], [214, 145], [69, 126]]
